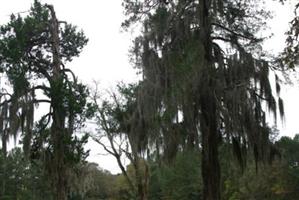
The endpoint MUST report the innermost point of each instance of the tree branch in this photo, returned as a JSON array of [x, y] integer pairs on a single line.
[[42, 101], [233, 32]]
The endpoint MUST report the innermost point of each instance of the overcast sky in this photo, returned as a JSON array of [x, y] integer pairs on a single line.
[[105, 58]]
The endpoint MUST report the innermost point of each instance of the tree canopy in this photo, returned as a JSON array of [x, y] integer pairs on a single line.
[[34, 50], [195, 126], [201, 61]]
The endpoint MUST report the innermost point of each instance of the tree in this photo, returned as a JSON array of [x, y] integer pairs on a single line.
[[204, 77], [25, 180], [288, 59], [289, 149], [34, 50], [276, 181], [103, 183], [120, 124], [179, 181]]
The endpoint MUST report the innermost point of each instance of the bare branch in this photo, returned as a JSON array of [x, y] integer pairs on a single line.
[[233, 32]]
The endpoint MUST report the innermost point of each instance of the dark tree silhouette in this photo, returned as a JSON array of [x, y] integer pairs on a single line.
[[33, 52], [204, 78]]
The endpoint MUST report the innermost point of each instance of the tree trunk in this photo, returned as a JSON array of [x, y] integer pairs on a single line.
[[3, 135], [4, 154], [208, 119], [210, 160], [58, 130], [141, 180]]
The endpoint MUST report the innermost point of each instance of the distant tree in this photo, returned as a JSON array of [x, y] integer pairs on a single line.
[[103, 183], [296, 138], [276, 181], [25, 180], [204, 78], [119, 123], [289, 149], [33, 53], [179, 181]]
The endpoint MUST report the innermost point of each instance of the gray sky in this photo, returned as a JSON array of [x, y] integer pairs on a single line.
[[105, 58], [290, 93]]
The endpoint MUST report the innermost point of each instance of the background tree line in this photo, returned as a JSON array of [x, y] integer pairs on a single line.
[[178, 181]]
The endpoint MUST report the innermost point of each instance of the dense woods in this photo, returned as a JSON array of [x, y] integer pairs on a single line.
[[179, 181], [196, 125]]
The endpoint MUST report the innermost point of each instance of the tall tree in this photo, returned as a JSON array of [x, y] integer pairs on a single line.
[[33, 52], [204, 76]]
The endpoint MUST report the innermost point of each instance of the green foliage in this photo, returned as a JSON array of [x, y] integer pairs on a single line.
[[289, 149], [29, 38], [24, 180], [203, 78], [172, 55], [104, 185], [33, 52], [202, 75], [179, 181], [278, 181], [289, 57]]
